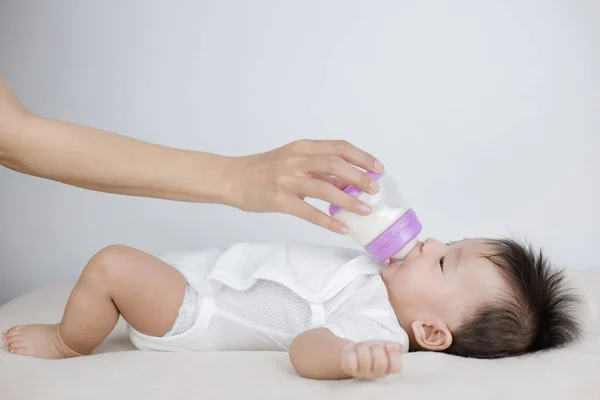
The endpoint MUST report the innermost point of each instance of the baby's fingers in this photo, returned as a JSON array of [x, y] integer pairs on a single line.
[[365, 360], [350, 360], [394, 353], [380, 361], [371, 360]]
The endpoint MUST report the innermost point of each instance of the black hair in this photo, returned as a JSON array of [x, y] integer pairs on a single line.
[[539, 314]]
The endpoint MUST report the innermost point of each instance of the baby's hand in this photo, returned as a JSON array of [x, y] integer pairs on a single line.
[[371, 360]]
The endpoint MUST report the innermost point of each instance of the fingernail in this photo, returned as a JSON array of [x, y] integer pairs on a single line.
[[374, 186], [344, 230], [364, 210], [378, 166]]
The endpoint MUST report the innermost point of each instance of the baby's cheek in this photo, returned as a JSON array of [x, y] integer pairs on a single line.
[[419, 281], [413, 286]]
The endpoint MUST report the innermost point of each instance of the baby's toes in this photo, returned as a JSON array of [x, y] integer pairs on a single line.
[[11, 341], [12, 333], [18, 349], [10, 346]]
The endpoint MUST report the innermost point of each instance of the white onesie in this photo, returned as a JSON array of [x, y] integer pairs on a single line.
[[261, 296]]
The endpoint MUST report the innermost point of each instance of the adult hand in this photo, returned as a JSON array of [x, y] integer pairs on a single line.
[[280, 180], [276, 181]]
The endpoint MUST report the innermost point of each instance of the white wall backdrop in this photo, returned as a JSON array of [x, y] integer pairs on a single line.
[[488, 113]]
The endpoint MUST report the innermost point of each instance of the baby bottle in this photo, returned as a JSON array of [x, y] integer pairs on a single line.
[[391, 230]]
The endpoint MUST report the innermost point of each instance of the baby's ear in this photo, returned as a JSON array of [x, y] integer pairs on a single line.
[[432, 335]]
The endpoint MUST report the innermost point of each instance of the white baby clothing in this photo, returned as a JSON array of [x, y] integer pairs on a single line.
[[188, 312], [261, 296]]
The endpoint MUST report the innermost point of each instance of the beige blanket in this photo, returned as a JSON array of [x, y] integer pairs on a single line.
[[117, 371]]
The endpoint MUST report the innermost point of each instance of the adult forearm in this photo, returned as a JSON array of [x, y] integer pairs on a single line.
[[275, 181], [94, 159]]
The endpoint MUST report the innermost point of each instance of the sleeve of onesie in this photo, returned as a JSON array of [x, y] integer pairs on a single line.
[[363, 312]]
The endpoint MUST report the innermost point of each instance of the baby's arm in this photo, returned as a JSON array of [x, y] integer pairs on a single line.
[[319, 354]]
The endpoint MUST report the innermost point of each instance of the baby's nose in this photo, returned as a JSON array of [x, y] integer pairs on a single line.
[[427, 246], [432, 245], [417, 250]]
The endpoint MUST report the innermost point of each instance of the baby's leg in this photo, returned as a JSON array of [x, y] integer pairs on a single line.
[[145, 290]]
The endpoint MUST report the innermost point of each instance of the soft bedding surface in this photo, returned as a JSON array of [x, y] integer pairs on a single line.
[[117, 371]]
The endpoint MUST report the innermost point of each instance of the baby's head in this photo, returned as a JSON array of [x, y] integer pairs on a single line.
[[481, 298]]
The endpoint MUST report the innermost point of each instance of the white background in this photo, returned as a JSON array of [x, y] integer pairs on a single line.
[[487, 113]]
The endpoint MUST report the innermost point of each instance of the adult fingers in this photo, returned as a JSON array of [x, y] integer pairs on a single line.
[[332, 180], [345, 150], [318, 189], [336, 166], [301, 209]]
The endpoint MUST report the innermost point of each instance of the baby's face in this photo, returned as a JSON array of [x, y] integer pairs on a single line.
[[443, 282]]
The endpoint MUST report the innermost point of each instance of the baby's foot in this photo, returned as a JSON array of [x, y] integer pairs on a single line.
[[41, 341]]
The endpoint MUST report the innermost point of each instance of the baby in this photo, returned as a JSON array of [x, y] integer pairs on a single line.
[[339, 313]]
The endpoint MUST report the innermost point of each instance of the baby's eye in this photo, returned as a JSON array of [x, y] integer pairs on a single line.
[[442, 263]]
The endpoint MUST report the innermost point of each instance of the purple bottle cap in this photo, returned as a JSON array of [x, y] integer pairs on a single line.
[[352, 191], [396, 237]]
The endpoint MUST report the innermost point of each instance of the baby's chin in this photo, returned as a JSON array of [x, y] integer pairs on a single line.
[[390, 270]]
